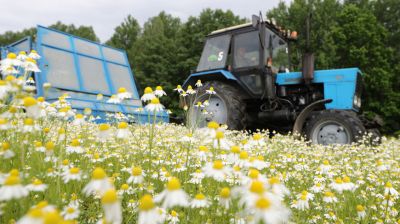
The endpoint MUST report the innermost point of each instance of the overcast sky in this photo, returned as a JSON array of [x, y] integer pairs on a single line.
[[105, 15]]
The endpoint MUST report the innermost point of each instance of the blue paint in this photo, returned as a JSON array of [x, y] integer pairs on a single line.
[[339, 85], [80, 97], [209, 75]]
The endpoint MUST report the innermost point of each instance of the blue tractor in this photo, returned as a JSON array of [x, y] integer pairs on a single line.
[[248, 68]]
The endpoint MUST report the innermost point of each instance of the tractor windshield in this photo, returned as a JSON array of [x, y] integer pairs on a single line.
[[215, 53], [276, 51]]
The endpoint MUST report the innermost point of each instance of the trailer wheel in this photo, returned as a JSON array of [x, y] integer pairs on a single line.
[[334, 127], [224, 107]]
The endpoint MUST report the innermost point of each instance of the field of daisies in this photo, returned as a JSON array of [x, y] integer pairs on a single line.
[[59, 166]]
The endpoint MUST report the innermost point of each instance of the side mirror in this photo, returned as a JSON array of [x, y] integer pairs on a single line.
[[308, 67], [255, 20]]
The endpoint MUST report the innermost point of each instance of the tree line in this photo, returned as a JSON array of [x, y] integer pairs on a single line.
[[349, 33]]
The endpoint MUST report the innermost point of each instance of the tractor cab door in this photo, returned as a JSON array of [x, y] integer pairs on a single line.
[[247, 57]]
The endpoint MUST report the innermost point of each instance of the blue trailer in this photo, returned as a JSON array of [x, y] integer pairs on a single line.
[[83, 69]]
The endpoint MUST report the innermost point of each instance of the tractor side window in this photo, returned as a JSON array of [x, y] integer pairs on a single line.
[[276, 52], [215, 53], [246, 50]]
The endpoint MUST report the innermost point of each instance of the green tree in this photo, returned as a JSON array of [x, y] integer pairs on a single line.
[[155, 54], [86, 32], [126, 34]]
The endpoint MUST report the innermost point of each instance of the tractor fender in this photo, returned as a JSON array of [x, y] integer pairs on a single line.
[[298, 124], [209, 75]]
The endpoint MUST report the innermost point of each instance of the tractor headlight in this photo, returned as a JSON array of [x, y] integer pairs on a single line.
[[357, 101]]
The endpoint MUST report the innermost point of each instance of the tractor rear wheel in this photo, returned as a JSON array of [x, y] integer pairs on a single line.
[[334, 127], [226, 106]]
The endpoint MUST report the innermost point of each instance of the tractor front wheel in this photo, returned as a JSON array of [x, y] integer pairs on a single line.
[[334, 127], [226, 106]]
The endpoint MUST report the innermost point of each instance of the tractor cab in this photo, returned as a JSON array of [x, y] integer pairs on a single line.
[[248, 52]]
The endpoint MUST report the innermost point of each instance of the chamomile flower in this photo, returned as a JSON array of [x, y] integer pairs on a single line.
[[200, 201], [198, 83], [154, 105], [37, 186], [179, 89], [30, 126], [6, 152], [98, 184], [12, 188], [224, 198], [173, 217], [72, 174], [216, 170], [123, 94], [173, 195], [137, 175], [277, 187], [361, 211], [33, 54], [30, 65], [159, 92], [211, 91], [337, 185], [122, 131], [104, 132], [4, 124], [79, 120], [149, 213], [197, 177], [10, 60], [70, 213], [318, 187], [114, 99], [22, 56], [34, 216], [329, 197], [390, 190], [268, 209], [112, 207], [74, 147], [148, 94], [190, 90]]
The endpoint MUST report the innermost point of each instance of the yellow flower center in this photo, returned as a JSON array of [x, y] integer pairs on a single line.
[[211, 88], [339, 180], [225, 192], [257, 187], [46, 130], [50, 145], [28, 121], [243, 155], [109, 197], [235, 149], [79, 116], [104, 127], [159, 88], [12, 180], [75, 143], [325, 162], [3, 121], [125, 187], [263, 203], [98, 174], [70, 210], [148, 90], [328, 194], [29, 101], [388, 185], [257, 136], [121, 90], [303, 197], [146, 203], [200, 196], [136, 171], [346, 179], [213, 124], [5, 146], [274, 180], [37, 182], [360, 208], [74, 170], [190, 87], [174, 213], [11, 55], [219, 135], [65, 162], [31, 60], [61, 131], [122, 125], [42, 204], [155, 100], [173, 184], [218, 165], [52, 218], [35, 213], [203, 148], [253, 173]]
